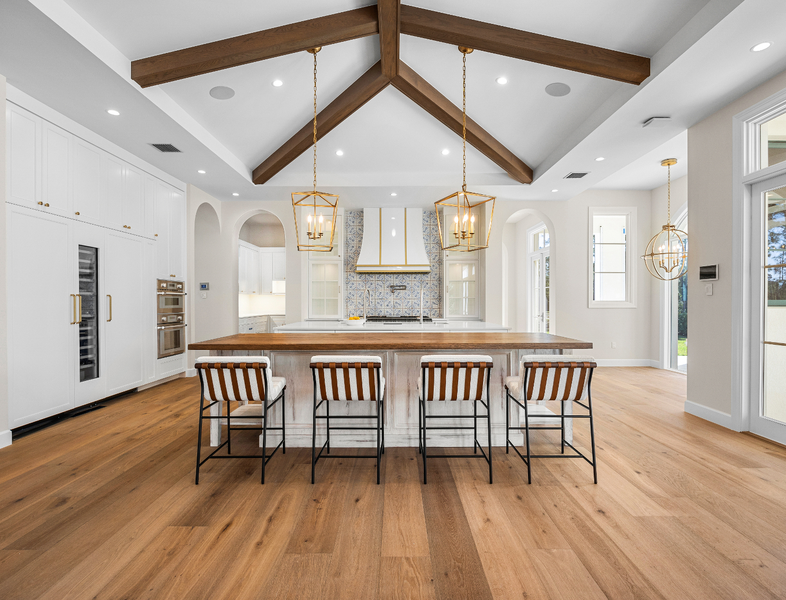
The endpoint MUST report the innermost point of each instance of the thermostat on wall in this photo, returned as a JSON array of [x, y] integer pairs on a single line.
[[708, 273], [204, 287]]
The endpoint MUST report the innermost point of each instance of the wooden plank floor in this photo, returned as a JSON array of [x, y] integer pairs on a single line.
[[104, 506]]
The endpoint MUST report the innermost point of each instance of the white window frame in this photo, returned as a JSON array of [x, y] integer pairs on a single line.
[[631, 263], [531, 253]]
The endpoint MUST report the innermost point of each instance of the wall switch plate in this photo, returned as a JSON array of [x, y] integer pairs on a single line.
[[708, 289], [204, 295], [614, 345]]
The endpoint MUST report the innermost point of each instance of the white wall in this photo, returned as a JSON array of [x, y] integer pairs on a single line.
[[5, 433], [628, 328], [710, 168], [264, 235]]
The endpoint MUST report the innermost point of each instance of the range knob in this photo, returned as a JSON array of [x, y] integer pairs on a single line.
[[163, 319]]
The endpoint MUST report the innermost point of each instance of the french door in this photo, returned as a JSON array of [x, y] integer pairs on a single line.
[[540, 282], [768, 301]]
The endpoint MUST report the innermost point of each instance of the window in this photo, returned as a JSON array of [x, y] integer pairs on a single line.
[[772, 134], [611, 260], [540, 279], [462, 299]]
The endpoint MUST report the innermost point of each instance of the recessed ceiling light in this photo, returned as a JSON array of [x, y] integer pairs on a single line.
[[761, 46], [558, 89], [502, 80], [445, 152], [113, 112], [201, 172], [222, 92], [235, 194], [554, 191], [278, 83], [339, 153], [600, 159], [393, 194]]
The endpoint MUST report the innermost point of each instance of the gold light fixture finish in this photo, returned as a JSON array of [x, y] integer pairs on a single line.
[[666, 257], [461, 217], [317, 209]]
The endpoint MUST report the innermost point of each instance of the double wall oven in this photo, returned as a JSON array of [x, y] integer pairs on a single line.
[[171, 317]]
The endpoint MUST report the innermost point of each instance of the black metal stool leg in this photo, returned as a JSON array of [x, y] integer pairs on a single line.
[[264, 438], [420, 425], [425, 474], [592, 438], [526, 431], [507, 421], [379, 439], [314, 438], [229, 427], [475, 427], [562, 427], [327, 421], [199, 439], [383, 426], [488, 421], [283, 422]]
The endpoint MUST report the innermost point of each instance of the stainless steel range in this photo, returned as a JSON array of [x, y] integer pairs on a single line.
[[171, 317]]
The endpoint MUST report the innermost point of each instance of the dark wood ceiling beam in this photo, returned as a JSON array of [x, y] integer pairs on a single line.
[[356, 95], [244, 49], [389, 34], [429, 99], [533, 47]]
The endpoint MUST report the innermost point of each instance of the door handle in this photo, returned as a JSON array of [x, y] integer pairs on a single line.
[[73, 309], [110, 307], [80, 307]]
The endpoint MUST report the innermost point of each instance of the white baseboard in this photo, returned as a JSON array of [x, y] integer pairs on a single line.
[[709, 414], [5, 438], [627, 362], [191, 373]]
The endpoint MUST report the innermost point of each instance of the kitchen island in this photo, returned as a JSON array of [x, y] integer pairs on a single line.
[[290, 355]]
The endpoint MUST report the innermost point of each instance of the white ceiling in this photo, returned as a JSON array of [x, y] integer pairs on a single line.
[[75, 57]]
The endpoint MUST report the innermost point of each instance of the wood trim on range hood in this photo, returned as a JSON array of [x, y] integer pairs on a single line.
[[393, 242]]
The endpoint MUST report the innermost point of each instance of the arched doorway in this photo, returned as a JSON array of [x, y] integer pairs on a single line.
[[209, 306], [262, 272]]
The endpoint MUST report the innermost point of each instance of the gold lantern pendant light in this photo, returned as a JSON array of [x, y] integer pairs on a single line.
[[666, 256], [317, 209], [462, 215]]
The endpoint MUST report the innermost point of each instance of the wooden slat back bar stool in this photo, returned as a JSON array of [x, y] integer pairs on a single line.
[[248, 381], [449, 377], [347, 378], [542, 378]]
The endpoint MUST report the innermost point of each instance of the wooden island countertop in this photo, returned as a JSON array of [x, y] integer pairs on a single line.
[[391, 341]]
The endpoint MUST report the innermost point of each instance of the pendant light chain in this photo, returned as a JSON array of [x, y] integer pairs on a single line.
[[315, 121], [668, 220], [464, 130]]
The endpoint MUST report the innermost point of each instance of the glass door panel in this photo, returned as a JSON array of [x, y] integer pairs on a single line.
[[88, 306], [774, 334], [536, 275]]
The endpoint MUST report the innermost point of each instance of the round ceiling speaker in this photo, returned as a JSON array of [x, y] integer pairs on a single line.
[[222, 92], [558, 89]]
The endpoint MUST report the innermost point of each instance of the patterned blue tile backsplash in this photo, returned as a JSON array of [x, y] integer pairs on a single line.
[[383, 301]]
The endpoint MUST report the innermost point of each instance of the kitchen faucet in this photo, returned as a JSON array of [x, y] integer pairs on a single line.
[[421, 304], [366, 292]]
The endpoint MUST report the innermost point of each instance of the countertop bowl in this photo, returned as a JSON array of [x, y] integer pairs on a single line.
[[354, 322]]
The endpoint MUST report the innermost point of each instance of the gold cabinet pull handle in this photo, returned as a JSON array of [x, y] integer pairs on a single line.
[[77, 213], [155, 234], [41, 204], [73, 309], [47, 204], [80, 307], [110, 307]]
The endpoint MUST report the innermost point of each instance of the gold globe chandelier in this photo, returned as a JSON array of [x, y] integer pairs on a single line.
[[461, 216], [666, 257], [317, 209]]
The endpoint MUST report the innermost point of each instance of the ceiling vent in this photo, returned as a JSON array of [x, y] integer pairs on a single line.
[[165, 147], [575, 175]]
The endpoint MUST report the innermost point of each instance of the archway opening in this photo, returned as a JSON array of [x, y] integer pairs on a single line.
[[262, 270], [209, 307]]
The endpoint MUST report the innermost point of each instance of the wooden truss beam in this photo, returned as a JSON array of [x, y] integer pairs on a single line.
[[356, 95], [429, 99], [533, 47], [244, 49], [389, 34]]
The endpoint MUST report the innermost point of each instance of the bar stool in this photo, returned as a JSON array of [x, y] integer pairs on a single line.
[[455, 377], [542, 378], [243, 379], [347, 378]]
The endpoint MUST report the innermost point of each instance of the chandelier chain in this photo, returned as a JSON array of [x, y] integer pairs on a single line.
[[464, 122], [668, 220], [315, 121]]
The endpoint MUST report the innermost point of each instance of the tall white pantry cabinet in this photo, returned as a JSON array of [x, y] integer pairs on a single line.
[[88, 234]]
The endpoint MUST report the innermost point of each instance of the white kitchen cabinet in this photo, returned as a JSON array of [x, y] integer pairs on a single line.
[[126, 296], [57, 170], [325, 283], [248, 268], [41, 314], [23, 156], [87, 202], [279, 264], [265, 271], [133, 208], [177, 233], [162, 230], [112, 190]]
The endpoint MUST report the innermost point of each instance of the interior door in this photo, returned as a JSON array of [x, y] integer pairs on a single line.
[[41, 316], [536, 295], [126, 292]]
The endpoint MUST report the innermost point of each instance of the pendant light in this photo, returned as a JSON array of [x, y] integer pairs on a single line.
[[316, 209], [666, 257], [462, 215]]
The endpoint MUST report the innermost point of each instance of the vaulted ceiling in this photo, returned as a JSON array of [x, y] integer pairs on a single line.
[[76, 56]]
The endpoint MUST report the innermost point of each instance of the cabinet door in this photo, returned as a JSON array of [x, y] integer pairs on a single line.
[[252, 273], [133, 200], [87, 182], [40, 316], [126, 327], [177, 234], [151, 189], [279, 265], [23, 149], [242, 270], [162, 229], [265, 272], [325, 290], [111, 191], [57, 170]]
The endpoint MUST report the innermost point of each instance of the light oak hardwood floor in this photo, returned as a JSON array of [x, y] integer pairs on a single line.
[[104, 506]]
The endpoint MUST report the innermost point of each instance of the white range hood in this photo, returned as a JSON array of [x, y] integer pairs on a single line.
[[393, 241]]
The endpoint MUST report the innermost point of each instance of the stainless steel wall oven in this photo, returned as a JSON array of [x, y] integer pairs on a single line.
[[171, 317]]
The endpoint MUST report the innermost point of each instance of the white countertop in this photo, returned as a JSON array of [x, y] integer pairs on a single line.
[[339, 327]]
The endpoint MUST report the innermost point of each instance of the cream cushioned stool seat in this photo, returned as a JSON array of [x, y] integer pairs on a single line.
[[248, 381]]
